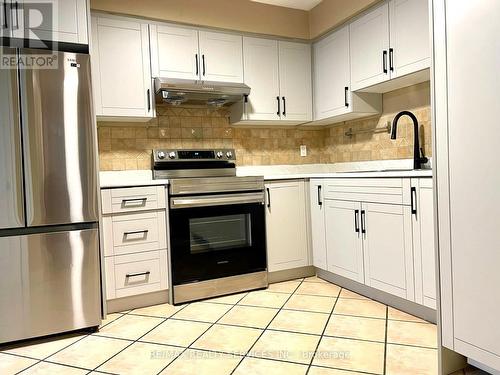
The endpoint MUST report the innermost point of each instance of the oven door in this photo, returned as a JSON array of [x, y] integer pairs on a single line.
[[216, 236]]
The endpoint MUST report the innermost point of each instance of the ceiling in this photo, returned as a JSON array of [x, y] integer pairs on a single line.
[[296, 4]]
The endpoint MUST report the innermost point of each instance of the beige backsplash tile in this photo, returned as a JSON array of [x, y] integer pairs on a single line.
[[128, 145]]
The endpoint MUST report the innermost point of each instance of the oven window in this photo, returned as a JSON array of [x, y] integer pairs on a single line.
[[220, 233]]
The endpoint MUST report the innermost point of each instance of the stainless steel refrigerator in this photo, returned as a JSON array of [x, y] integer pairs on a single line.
[[49, 247]]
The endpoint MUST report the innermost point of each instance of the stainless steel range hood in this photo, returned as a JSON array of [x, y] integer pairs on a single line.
[[184, 91]]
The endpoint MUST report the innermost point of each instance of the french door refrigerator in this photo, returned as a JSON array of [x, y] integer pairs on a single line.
[[49, 248]]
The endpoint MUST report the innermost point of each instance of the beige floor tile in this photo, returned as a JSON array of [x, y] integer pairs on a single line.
[[202, 363], [407, 360], [345, 293], [110, 318], [42, 348], [89, 352], [249, 316], [395, 314], [232, 299], [130, 327], [286, 346], [176, 332], [141, 358], [300, 321], [45, 368], [411, 333], [164, 310], [203, 312], [229, 339], [315, 279], [352, 355], [260, 366], [10, 364], [330, 371], [264, 299], [358, 307], [319, 289], [310, 303], [356, 328], [284, 287]]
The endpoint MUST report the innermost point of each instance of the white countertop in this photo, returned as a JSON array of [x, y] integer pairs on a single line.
[[373, 169]]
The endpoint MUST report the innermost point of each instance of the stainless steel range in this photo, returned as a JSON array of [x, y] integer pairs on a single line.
[[217, 224]]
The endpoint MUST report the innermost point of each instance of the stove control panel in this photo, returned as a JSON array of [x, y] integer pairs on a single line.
[[165, 156]]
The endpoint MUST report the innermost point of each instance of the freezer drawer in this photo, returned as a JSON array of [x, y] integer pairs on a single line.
[[50, 283]]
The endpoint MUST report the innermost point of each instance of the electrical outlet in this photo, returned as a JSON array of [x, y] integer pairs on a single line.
[[303, 150]]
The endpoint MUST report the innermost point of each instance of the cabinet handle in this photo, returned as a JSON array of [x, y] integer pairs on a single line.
[[5, 20], [268, 198], [346, 90], [356, 222], [413, 200], [384, 61], [203, 60], [197, 65], [145, 231], [363, 227], [320, 201], [279, 107], [284, 106], [137, 274], [148, 95], [141, 201], [391, 59], [16, 6]]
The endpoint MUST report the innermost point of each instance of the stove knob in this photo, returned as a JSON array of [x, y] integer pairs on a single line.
[[229, 155], [219, 154], [171, 155], [161, 155]]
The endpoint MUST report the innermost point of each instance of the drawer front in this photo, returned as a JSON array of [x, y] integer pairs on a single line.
[[375, 190], [140, 273], [132, 199]]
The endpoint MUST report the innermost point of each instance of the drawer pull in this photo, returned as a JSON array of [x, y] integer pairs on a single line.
[[136, 201], [145, 231], [147, 273]]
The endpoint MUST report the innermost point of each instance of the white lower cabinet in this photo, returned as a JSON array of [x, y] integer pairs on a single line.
[[318, 227], [286, 225]]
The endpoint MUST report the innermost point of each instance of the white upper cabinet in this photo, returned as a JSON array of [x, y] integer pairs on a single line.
[[221, 57], [369, 36], [260, 64], [174, 52], [318, 230], [121, 71], [295, 81], [410, 50]]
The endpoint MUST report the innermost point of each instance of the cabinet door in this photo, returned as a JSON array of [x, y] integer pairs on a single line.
[[221, 57], [343, 239], [332, 75], [295, 81], [286, 225], [318, 232], [260, 61], [409, 35], [121, 71], [174, 52], [388, 254], [369, 46]]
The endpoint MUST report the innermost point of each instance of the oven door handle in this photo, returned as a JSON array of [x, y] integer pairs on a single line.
[[216, 200]]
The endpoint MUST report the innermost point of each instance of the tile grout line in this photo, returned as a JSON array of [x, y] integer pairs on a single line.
[[267, 326], [385, 340]]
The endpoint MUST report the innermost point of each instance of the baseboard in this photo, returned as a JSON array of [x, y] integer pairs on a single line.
[[294, 273], [135, 302], [399, 303]]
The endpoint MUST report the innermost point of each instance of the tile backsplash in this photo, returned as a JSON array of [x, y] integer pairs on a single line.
[[128, 145]]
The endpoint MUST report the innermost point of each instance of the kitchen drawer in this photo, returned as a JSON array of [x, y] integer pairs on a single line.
[[375, 190], [134, 274], [134, 232], [132, 199]]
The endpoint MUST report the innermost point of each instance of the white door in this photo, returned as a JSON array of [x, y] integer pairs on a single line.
[[174, 52], [121, 71], [318, 232], [260, 60], [409, 35], [369, 46], [388, 254], [286, 225], [53, 20], [343, 239], [221, 57], [332, 75], [295, 81]]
